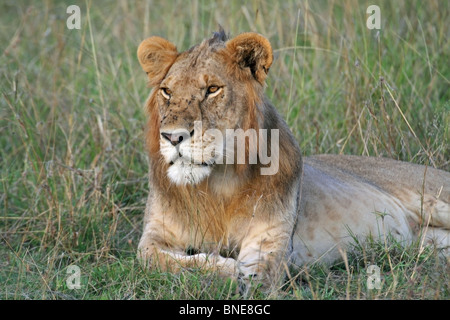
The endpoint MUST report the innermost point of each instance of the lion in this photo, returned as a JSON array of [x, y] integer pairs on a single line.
[[207, 210]]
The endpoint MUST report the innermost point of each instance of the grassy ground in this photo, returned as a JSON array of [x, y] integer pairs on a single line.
[[72, 159]]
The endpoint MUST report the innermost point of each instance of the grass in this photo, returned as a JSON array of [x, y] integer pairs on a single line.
[[72, 160]]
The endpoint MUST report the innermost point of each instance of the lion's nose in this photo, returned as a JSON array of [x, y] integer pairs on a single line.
[[176, 138]]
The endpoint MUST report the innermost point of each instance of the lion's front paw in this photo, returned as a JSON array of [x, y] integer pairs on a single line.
[[251, 277], [249, 283], [144, 254]]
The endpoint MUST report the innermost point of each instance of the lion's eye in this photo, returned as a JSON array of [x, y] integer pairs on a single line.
[[166, 93], [212, 91]]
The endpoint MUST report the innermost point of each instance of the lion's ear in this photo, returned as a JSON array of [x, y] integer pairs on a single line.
[[252, 50], [156, 55]]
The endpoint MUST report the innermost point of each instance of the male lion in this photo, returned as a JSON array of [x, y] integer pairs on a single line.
[[205, 210]]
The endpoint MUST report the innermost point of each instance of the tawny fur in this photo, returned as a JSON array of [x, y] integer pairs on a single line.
[[251, 226]]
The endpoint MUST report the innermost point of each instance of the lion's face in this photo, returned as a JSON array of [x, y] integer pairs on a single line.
[[198, 95], [195, 100]]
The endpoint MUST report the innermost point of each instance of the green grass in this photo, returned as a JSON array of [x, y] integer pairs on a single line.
[[72, 159]]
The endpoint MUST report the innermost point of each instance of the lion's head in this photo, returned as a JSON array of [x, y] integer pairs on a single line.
[[197, 96]]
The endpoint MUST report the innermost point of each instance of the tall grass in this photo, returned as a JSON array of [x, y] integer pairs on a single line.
[[72, 157]]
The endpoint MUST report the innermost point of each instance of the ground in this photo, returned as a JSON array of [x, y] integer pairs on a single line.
[[72, 159]]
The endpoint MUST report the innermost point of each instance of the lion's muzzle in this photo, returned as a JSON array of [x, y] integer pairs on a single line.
[[177, 137], [190, 155]]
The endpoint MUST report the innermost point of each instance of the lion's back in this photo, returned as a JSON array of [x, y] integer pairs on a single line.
[[391, 175]]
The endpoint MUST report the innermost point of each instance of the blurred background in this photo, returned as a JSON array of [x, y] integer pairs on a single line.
[[73, 163]]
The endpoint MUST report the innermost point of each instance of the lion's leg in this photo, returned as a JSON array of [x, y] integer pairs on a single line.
[[163, 245], [437, 237], [176, 261], [262, 254], [155, 250]]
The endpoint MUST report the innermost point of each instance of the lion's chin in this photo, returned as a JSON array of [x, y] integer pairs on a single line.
[[181, 173]]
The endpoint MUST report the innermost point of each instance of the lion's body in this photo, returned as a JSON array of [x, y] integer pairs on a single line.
[[347, 196], [233, 217]]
